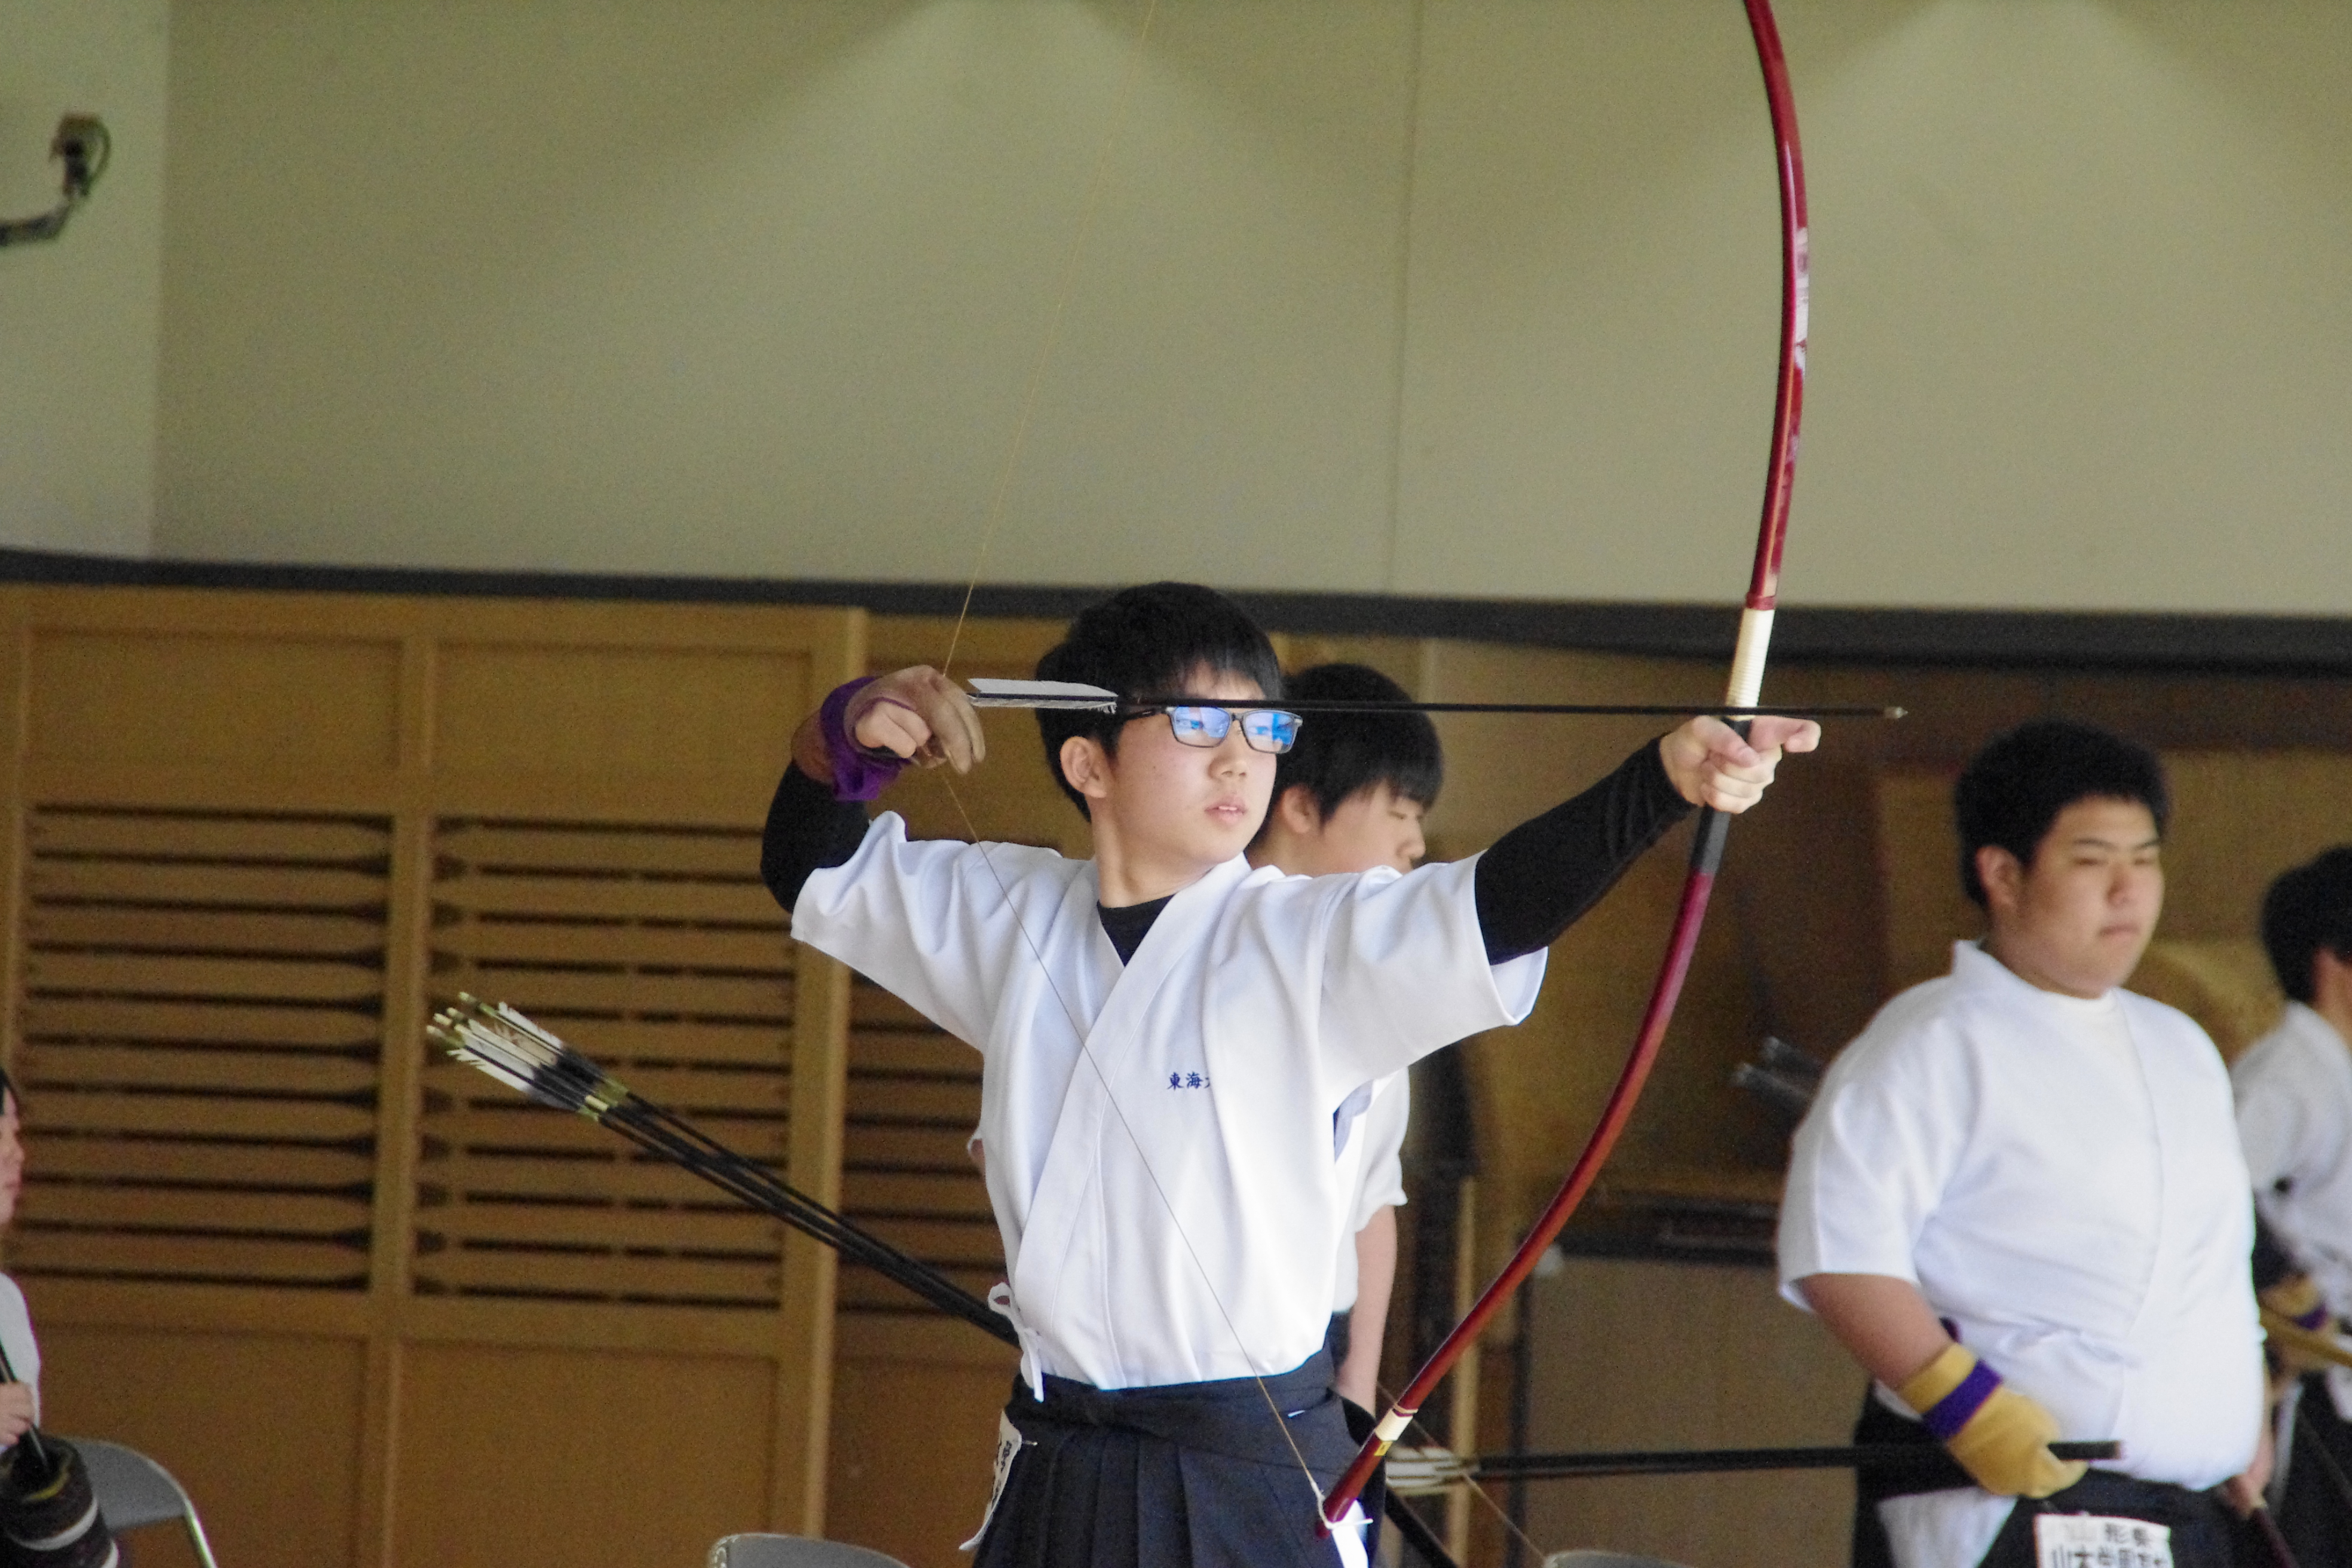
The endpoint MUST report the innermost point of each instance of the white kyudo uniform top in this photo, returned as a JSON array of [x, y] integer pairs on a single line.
[[1171, 1210], [2294, 1119], [2061, 1179], [1375, 1150]]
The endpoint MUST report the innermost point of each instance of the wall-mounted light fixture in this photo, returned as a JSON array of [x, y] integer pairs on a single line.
[[82, 144]]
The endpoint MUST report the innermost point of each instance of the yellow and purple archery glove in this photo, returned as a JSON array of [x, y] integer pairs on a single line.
[[2297, 1298], [2000, 1437]]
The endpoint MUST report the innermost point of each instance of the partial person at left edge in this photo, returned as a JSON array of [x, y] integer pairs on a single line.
[[20, 1397]]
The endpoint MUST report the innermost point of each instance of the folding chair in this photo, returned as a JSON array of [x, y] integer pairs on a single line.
[[793, 1551], [134, 1491]]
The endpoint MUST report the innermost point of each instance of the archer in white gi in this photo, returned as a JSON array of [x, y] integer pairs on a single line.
[[2017, 1198], [1167, 1034], [2294, 1117]]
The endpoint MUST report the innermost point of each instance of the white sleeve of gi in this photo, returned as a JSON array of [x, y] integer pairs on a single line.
[[1873, 1157], [2274, 1118], [933, 921], [1405, 970]]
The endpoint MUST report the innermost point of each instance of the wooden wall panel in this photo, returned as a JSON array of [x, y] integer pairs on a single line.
[[508, 715], [1667, 1355], [2240, 819], [262, 1428], [252, 839], [565, 1455], [915, 1410], [200, 1024], [163, 697]]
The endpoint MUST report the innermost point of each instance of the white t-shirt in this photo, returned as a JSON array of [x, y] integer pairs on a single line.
[[2061, 1181], [1375, 1149], [1170, 1203]]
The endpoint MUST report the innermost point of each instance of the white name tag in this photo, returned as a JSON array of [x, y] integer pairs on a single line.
[[2093, 1541], [1008, 1449]]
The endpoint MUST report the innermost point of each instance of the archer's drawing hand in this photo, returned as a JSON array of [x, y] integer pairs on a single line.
[[1709, 765], [919, 714], [15, 1412]]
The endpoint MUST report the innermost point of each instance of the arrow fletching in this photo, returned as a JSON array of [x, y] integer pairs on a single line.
[[516, 1052], [1070, 696]]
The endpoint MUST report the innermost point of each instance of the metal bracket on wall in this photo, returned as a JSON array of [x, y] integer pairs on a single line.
[[83, 145]]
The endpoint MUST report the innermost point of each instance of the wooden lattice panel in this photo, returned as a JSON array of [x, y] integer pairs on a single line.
[[914, 1100], [201, 1027], [658, 952]]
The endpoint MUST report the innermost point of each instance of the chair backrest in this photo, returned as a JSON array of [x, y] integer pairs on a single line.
[[1604, 1559], [793, 1551], [134, 1491]]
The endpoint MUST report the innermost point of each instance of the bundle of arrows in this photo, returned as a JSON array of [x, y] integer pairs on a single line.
[[520, 1053]]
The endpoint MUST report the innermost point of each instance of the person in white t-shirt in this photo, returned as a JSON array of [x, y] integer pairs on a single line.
[[2294, 1117], [2020, 1203]]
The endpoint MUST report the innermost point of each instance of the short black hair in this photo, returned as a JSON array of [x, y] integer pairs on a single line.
[[1144, 643], [1337, 754], [2012, 791], [2308, 908]]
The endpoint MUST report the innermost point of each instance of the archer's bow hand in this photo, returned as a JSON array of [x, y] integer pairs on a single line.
[[919, 714], [1710, 765]]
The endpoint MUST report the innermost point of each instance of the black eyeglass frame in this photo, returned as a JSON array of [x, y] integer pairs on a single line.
[[1240, 712]]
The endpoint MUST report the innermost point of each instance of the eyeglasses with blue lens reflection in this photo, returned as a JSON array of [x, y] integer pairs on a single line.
[[1200, 724]]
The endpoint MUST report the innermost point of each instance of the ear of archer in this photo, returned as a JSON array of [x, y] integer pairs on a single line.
[[1086, 765]]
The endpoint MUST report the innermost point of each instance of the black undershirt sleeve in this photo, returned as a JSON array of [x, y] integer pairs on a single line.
[[1544, 873], [807, 830]]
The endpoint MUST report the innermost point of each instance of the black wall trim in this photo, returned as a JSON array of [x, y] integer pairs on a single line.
[[2281, 645]]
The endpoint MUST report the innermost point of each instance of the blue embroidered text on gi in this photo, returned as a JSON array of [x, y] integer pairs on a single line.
[[1188, 1080]]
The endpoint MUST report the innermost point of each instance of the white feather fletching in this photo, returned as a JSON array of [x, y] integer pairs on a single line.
[[987, 691]]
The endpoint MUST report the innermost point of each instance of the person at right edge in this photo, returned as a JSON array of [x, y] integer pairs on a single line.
[[2018, 1202], [2295, 1116]]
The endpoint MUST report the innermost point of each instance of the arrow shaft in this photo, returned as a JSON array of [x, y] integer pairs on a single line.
[[1306, 705], [1702, 1461]]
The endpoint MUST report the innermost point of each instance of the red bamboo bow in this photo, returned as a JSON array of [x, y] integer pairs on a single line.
[[1706, 851]]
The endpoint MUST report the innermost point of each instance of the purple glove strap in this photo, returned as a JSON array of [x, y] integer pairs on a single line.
[[2315, 1320], [857, 773], [1948, 1415]]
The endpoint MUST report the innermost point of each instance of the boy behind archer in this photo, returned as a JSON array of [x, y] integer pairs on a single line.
[[1167, 1034], [1348, 797]]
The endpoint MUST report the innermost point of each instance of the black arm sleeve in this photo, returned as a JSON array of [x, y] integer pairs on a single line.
[[1550, 869], [807, 830]]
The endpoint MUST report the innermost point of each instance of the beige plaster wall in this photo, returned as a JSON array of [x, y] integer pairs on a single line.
[[79, 314], [1419, 295]]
